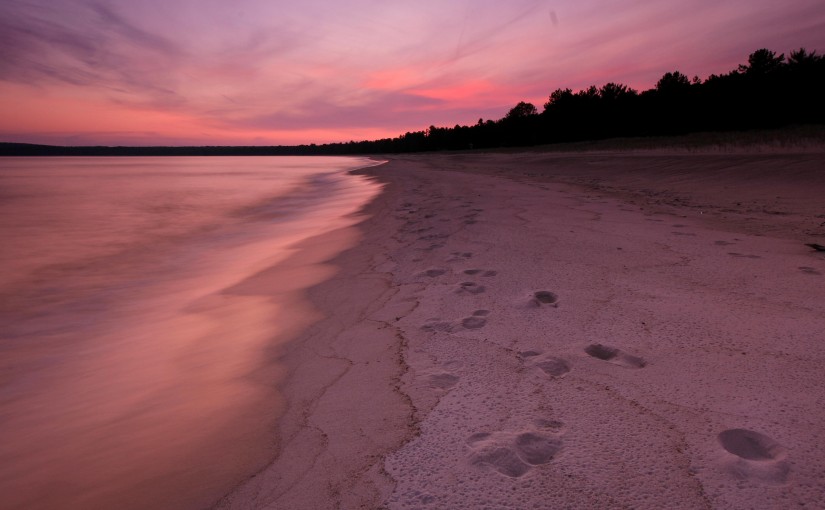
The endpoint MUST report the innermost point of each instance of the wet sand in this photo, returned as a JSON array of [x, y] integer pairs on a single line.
[[534, 330]]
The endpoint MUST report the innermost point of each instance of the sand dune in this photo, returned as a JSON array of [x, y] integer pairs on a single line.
[[539, 330]]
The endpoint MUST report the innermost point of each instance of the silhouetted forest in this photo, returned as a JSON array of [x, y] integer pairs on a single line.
[[769, 91]]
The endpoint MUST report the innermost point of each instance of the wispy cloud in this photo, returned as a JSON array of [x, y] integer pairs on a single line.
[[87, 46]]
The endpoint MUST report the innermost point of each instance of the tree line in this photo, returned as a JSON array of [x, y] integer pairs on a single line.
[[769, 91]]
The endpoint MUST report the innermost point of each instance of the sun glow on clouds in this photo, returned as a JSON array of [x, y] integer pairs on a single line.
[[265, 72], [465, 92]]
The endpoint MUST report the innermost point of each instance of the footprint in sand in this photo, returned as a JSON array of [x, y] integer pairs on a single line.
[[437, 324], [740, 255], [615, 356], [481, 272], [474, 322], [470, 288], [723, 243], [550, 365], [432, 273], [442, 380], [513, 454], [502, 459], [554, 367], [754, 456], [749, 445], [537, 448], [544, 298]]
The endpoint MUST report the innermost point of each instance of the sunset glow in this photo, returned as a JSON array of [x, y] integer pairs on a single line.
[[255, 72]]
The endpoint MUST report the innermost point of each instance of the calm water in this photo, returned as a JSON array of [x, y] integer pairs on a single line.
[[133, 371]]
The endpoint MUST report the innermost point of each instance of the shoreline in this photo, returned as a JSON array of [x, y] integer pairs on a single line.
[[530, 328], [307, 455]]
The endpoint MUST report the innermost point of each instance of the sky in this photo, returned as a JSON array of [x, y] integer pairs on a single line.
[[269, 72]]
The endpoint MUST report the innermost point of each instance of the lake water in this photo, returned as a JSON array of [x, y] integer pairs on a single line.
[[136, 359]]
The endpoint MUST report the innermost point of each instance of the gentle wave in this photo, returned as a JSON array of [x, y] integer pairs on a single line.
[[132, 367]]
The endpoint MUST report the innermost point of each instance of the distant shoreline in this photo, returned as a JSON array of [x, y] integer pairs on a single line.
[[792, 138]]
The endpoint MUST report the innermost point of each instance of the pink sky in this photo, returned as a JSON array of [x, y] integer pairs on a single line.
[[261, 72]]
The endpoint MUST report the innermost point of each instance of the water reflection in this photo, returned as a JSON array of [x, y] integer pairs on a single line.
[[137, 362]]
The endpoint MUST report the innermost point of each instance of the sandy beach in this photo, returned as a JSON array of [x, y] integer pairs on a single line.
[[559, 330]]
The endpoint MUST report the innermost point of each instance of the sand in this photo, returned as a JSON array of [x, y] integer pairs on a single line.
[[536, 330]]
